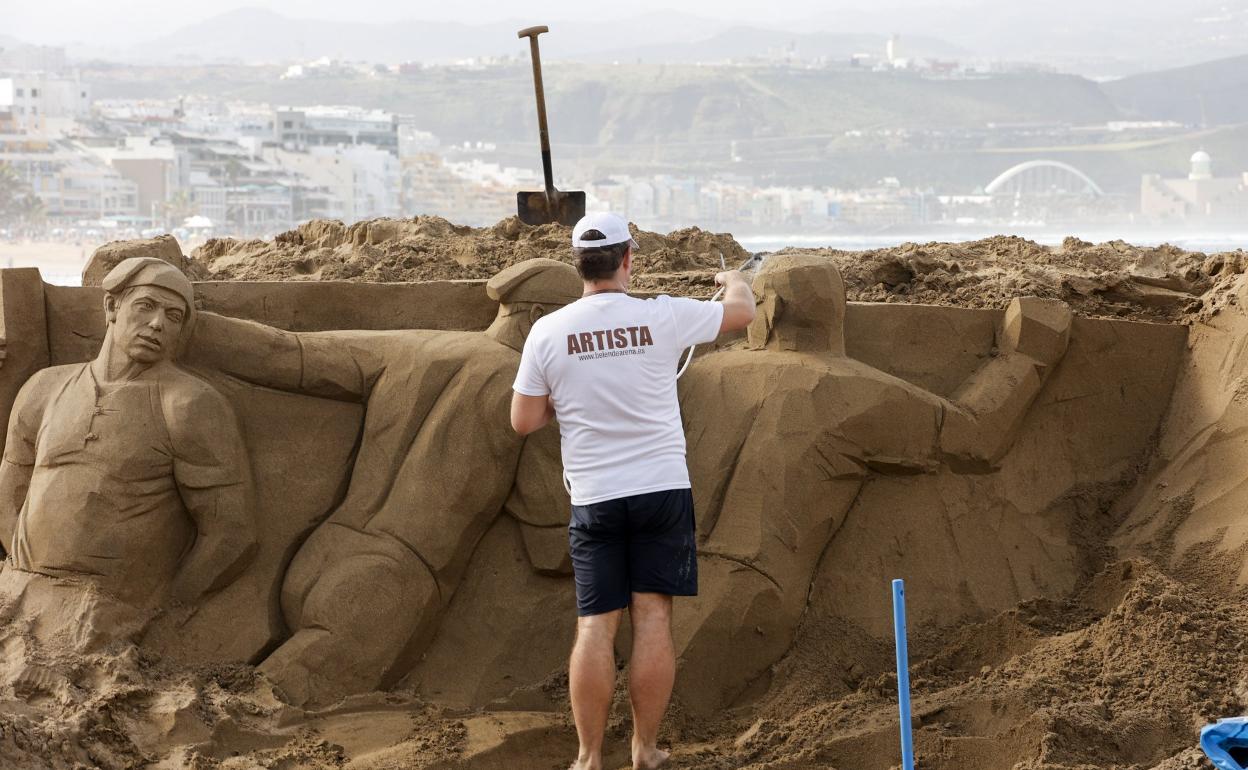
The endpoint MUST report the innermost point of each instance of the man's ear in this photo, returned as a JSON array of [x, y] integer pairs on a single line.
[[536, 312], [110, 308]]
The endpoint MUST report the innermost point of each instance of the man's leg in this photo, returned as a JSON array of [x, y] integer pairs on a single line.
[[356, 604], [652, 671], [591, 682]]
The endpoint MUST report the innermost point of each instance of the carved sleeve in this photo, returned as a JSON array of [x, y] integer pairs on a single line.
[[18, 464], [313, 363], [211, 471]]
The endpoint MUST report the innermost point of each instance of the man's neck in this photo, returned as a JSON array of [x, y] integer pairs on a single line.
[[611, 285]]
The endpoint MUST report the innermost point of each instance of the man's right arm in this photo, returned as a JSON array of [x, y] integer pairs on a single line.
[[531, 407], [984, 415], [738, 301], [18, 466]]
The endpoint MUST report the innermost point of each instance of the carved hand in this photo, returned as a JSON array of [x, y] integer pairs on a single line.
[[1037, 328]]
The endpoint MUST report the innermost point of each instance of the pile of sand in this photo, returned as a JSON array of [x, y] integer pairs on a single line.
[[1121, 675], [1113, 279], [431, 248], [77, 697]]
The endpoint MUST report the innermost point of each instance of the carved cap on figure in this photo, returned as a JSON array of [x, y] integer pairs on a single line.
[[537, 281], [149, 271], [801, 305], [526, 291]]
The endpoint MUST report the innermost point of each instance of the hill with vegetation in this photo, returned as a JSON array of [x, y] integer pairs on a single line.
[[1211, 93], [622, 105]]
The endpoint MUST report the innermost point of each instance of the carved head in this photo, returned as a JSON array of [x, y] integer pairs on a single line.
[[150, 309], [801, 305], [528, 290]]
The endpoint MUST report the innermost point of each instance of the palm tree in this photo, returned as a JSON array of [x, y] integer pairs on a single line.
[[19, 206], [11, 187]]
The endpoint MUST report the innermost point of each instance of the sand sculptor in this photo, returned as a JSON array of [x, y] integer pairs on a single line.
[[783, 432], [127, 470], [363, 595]]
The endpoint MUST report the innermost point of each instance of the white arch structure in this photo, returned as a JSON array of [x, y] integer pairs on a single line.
[[1042, 176]]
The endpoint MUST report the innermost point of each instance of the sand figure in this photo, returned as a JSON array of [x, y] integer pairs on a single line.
[[434, 468], [787, 414], [128, 470]]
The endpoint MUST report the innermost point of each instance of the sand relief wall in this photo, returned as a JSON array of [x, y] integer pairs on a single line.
[[1187, 512], [400, 529]]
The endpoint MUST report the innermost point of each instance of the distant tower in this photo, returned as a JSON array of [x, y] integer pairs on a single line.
[[1202, 166], [893, 49]]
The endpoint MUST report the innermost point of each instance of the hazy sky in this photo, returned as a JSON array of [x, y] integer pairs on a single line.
[[1125, 33], [117, 22]]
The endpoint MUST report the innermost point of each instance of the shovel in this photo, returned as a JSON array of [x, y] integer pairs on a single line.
[[549, 205]]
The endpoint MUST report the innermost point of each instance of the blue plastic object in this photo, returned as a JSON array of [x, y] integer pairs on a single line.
[[903, 673], [1225, 742]]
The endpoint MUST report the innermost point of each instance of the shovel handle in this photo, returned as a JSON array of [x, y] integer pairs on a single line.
[[531, 33]]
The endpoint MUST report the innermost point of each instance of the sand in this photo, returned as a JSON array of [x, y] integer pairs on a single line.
[[1113, 279], [1118, 673], [430, 248]]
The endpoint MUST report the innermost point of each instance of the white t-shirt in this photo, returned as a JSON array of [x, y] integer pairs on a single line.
[[608, 362]]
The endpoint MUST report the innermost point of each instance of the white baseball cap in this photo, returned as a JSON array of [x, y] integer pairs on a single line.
[[610, 225]]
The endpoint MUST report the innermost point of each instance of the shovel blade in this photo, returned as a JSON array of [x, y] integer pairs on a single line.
[[540, 208]]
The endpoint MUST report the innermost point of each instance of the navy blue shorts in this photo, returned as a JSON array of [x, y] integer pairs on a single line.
[[637, 544]]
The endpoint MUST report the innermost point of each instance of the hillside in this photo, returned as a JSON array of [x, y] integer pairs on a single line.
[[1212, 93], [627, 106]]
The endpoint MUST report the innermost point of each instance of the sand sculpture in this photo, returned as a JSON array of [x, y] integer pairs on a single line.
[[782, 433], [978, 454], [128, 471], [435, 466]]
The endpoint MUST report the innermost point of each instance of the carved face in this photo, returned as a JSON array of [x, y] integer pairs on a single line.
[[147, 322], [522, 315], [800, 305]]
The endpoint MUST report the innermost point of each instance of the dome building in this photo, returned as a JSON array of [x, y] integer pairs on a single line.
[[1202, 166], [1201, 197]]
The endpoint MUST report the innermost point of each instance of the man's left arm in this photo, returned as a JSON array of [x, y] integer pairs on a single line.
[[210, 468]]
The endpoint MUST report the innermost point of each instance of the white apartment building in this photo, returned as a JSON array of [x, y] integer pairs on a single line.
[[366, 181], [71, 183], [150, 164], [39, 104], [327, 126]]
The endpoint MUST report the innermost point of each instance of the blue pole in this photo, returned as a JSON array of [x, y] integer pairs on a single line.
[[903, 673]]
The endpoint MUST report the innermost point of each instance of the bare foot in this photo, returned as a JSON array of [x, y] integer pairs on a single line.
[[649, 759], [586, 764]]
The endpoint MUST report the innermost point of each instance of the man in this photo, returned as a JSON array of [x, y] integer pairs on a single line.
[[128, 471], [605, 367], [364, 593]]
